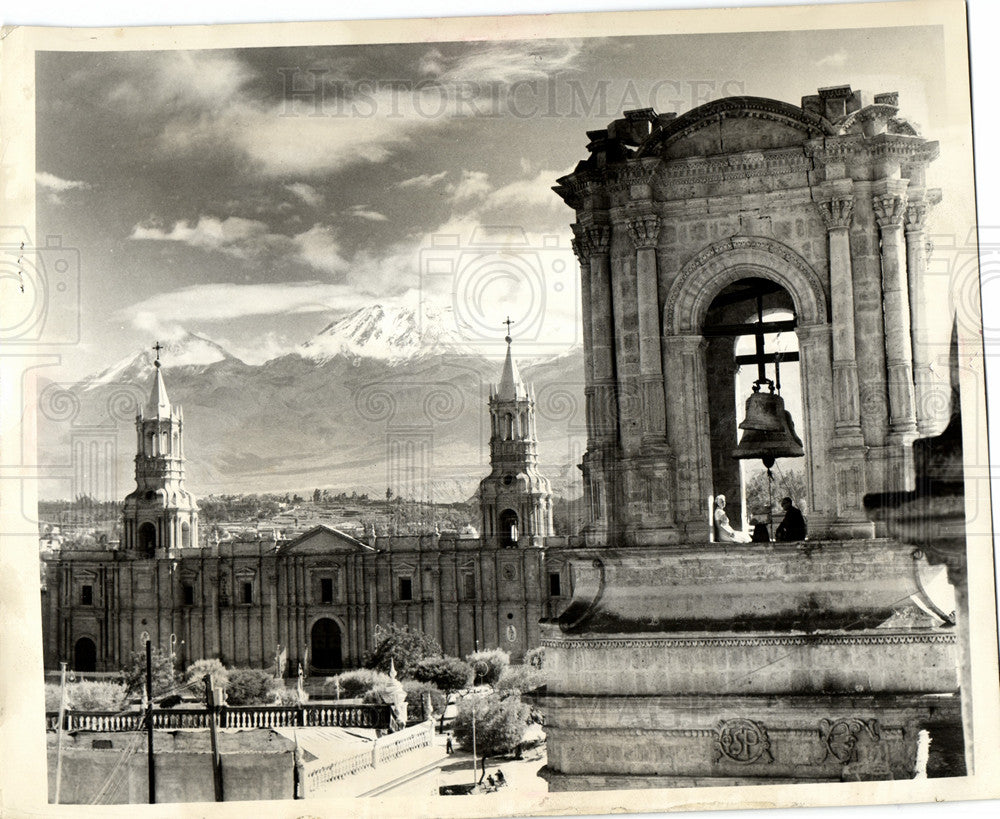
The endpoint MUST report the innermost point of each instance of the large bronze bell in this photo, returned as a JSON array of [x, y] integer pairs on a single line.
[[768, 432]]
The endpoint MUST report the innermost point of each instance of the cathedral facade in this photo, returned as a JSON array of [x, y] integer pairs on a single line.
[[317, 599]]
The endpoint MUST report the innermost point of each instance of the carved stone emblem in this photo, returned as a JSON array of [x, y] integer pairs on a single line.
[[840, 737], [743, 741]]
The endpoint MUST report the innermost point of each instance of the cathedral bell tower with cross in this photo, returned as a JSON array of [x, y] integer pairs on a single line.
[[160, 515], [515, 499]]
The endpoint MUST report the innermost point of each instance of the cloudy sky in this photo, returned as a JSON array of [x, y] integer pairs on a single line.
[[255, 195]]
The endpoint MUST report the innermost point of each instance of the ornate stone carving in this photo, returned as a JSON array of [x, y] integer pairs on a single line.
[[723, 263], [892, 638], [837, 212], [840, 737], [742, 740], [889, 210], [644, 230], [580, 250], [916, 217], [598, 238]]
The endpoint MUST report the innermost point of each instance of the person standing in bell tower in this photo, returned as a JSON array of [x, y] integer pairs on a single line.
[[160, 516], [515, 498]]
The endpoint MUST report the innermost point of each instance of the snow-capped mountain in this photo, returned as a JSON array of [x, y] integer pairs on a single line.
[[188, 350], [341, 412], [392, 334]]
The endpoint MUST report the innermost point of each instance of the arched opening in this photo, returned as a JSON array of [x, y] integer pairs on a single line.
[[85, 655], [508, 528], [733, 348], [185, 535], [147, 539], [326, 652], [508, 426]]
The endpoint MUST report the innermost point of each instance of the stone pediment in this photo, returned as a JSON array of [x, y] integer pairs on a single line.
[[734, 124], [323, 540]]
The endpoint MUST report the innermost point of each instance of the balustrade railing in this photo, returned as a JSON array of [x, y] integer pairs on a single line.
[[383, 750], [238, 716]]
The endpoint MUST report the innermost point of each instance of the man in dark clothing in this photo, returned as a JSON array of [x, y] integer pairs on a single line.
[[793, 526]]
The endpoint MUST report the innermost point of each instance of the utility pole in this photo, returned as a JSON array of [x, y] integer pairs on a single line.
[[149, 723], [473, 742], [62, 715], [213, 724]]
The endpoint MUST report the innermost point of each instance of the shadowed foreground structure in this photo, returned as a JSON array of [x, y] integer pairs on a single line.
[[686, 662]]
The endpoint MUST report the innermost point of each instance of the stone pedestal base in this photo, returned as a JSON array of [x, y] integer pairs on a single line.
[[725, 663], [675, 741]]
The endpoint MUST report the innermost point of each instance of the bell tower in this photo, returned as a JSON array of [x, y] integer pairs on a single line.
[[160, 516], [515, 499]]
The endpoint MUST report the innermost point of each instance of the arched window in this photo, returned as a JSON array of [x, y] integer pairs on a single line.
[[185, 535], [508, 426], [508, 528], [146, 544]]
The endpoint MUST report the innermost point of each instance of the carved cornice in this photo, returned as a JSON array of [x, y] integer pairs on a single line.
[[748, 165], [644, 230], [837, 212], [889, 210], [892, 638]]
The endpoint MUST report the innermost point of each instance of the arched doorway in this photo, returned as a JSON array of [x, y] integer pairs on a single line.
[[85, 655], [696, 286], [508, 528], [325, 646], [147, 539], [732, 349]]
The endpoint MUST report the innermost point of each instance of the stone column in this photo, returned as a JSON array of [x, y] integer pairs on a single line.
[[582, 251], [688, 432], [846, 406], [602, 336], [650, 472], [890, 208], [916, 269], [816, 378], [847, 451], [598, 463], [645, 231]]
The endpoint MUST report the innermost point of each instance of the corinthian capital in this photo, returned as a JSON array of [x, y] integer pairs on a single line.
[[889, 210], [837, 212], [644, 230], [916, 217], [598, 238]]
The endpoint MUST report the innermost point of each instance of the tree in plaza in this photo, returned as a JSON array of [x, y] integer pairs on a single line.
[[399, 646], [249, 686], [449, 674], [162, 667], [214, 668], [500, 724], [489, 665]]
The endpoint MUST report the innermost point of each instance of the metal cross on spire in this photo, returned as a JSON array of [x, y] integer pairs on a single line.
[[508, 322], [158, 347]]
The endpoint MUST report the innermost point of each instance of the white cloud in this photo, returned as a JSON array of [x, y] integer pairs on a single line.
[[835, 60], [318, 248], [307, 193], [367, 125], [424, 180], [472, 185], [51, 182], [363, 212], [242, 238], [234, 235]]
